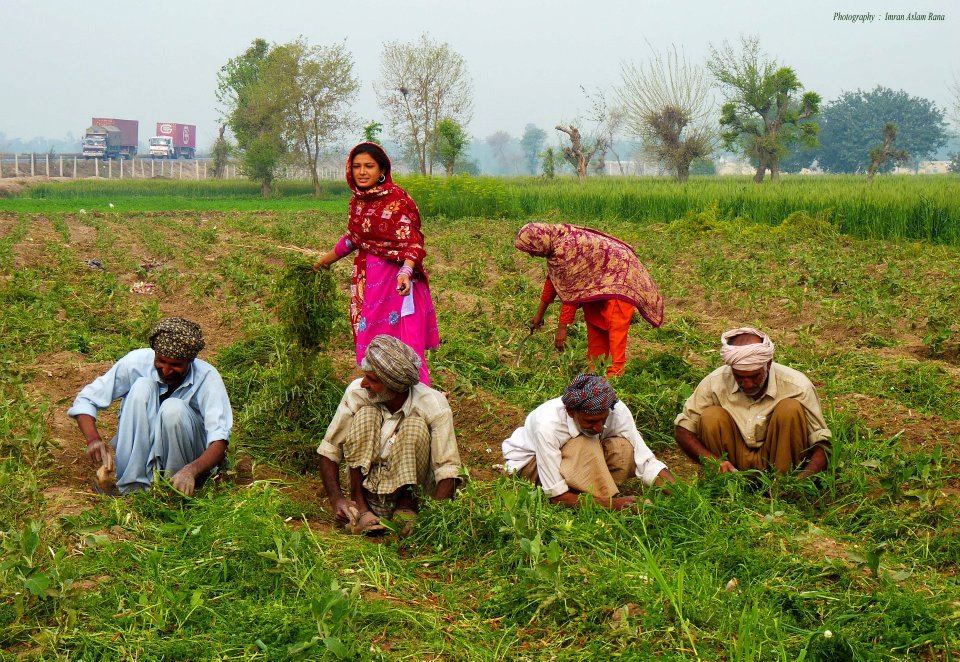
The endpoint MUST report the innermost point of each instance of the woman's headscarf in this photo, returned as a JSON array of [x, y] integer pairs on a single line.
[[384, 220], [586, 265]]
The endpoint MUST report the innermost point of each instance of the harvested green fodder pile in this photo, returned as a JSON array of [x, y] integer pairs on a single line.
[[307, 303]]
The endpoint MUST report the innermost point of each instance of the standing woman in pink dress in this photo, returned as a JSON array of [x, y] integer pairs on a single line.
[[389, 292]]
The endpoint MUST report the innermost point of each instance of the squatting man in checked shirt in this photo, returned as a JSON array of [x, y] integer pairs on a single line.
[[583, 445], [175, 417], [754, 413], [394, 434]]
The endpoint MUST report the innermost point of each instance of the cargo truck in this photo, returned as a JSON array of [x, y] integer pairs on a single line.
[[109, 138], [174, 141]]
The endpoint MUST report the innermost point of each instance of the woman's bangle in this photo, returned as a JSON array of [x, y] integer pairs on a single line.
[[406, 270], [91, 442]]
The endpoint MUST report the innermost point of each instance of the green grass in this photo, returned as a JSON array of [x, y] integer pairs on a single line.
[[252, 568]]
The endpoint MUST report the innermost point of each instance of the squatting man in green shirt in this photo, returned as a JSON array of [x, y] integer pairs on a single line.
[[395, 434], [753, 413]]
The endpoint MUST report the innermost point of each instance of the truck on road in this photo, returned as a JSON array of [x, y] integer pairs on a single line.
[[174, 141], [110, 138]]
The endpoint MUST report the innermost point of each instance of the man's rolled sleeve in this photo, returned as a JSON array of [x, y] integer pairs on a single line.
[[331, 452], [623, 425], [332, 445], [548, 464], [215, 407], [444, 454], [102, 391]]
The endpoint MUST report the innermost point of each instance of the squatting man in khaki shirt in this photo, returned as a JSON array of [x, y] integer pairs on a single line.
[[395, 434], [753, 413]]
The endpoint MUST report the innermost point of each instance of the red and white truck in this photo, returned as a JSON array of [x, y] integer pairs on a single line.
[[174, 141], [110, 138]]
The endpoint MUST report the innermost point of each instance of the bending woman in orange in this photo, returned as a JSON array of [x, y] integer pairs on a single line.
[[596, 272]]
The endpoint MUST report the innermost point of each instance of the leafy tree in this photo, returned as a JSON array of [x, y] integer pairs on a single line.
[[451, 144], [421, 83], [371, 132], [955, 163], [220, 154], [252, 114], [850, 125], [765, 109], [314, 87], [880, 155], [531, 144], [549, 163], [666, 102], [502, 147]]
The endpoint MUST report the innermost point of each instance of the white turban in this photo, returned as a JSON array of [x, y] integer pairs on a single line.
[[746, 357]]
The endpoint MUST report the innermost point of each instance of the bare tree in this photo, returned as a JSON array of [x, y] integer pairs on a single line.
[[880, 155], [954, 110], [421, 83], [582, 149], [666, 103]]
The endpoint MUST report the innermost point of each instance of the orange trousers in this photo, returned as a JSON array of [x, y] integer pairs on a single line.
[[608, 323]]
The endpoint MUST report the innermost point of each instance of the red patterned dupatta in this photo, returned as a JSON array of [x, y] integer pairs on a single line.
[[587, 265], [384, 221]]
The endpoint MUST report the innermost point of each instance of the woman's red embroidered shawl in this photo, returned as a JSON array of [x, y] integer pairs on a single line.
[[385, 221]]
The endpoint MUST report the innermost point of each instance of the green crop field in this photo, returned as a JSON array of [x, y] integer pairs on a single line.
[[856, 284]]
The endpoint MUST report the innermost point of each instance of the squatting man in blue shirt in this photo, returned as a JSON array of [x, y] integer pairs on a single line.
[[175, 416]]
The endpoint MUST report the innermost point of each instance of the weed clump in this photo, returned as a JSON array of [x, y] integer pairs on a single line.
[[306, 303]]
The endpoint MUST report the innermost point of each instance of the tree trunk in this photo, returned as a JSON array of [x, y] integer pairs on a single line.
[[266, 187], [761, 171], [683, 172], [774, 170], [582, 164]]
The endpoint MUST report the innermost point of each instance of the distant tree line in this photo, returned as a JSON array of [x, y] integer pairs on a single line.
[[293, 100]]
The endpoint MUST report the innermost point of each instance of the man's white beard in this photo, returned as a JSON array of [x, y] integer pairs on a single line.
[[379, 398], [585, 433]]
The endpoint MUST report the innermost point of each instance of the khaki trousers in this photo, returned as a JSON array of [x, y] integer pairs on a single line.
[[784, 448], [591, 465]]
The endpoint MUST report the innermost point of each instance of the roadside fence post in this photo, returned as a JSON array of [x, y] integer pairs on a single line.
[[196, 169], [74, 167], [96, 166], [16, 165], [180, 176], [152, 161], [32, 160], [47, 157], [60, 171], [109, 168]]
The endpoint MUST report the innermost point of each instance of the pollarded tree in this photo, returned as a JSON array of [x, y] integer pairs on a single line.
[[583, 149], [421, 83], [315, 87], [849, 127], [766, 112], [883, 153], [450, 145], [666, 103]]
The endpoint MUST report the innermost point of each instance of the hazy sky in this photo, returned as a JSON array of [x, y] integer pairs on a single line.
[[67, 61]]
